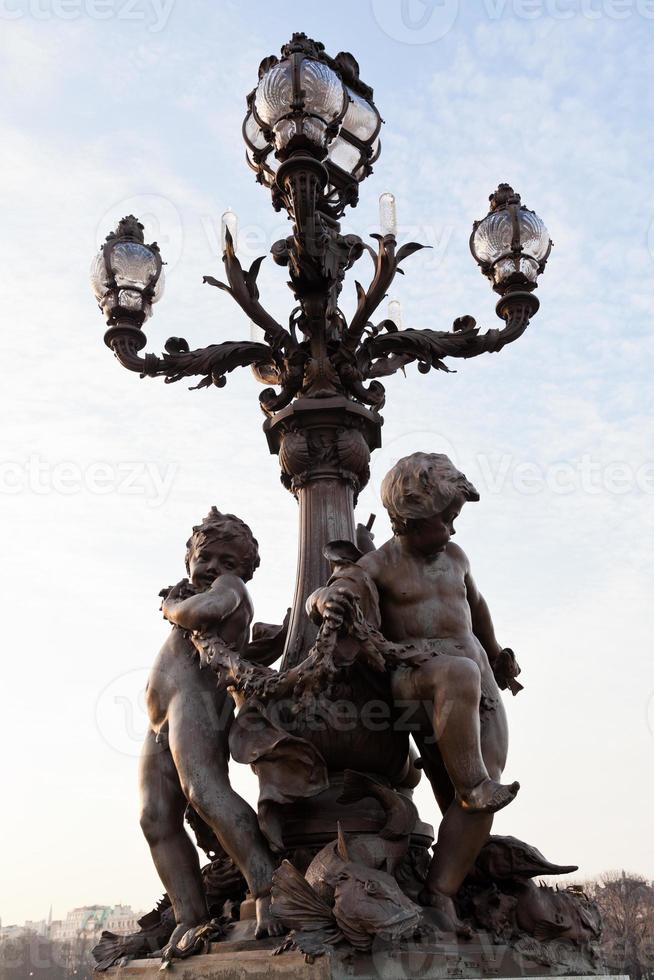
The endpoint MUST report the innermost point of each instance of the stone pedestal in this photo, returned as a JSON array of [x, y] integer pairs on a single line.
[[234, 963], [240, 957], [230, 964]]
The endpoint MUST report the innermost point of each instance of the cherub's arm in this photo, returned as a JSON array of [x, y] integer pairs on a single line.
[[482, 623], [502, 660], [334, 601], [203, 610]]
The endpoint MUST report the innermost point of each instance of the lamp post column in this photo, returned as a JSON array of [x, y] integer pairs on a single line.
[[324, 447]]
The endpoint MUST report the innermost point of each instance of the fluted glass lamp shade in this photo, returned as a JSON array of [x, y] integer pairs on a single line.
[[511, 244], [127, 275], [299, 98], [309, 102]]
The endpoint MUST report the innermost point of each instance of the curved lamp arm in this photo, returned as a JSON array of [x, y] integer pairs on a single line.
[[387, 353], [210, 363]]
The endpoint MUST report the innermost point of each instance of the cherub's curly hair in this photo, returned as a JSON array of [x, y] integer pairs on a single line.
[[421, 485], [224, 527]]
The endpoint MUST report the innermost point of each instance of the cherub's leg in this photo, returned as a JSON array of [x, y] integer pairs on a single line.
[[162, 821], [453, 684], [462, 834], [433, 894], [201, 756], [450, 688]]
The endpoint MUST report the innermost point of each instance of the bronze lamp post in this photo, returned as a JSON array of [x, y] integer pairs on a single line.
[[337, 852]]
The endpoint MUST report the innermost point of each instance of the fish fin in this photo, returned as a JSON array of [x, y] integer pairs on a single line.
[[400, 812], [295, 902], [314, 943], [357, 786], [341, 846], [401, 820], [548, 929]]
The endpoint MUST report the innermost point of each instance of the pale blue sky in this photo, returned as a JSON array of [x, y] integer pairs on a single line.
[[141, 111]]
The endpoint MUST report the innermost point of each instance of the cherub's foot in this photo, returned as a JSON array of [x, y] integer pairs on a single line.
[[267, 924], [489, 796], [187, 940], [447, 919], [286, 946]]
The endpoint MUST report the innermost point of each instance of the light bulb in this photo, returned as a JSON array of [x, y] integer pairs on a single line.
[[395, 312], [387, 214]]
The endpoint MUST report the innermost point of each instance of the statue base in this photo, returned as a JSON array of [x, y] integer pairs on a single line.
[[241, 957]]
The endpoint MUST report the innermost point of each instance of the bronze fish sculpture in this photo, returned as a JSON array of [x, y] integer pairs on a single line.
[[367, 903]]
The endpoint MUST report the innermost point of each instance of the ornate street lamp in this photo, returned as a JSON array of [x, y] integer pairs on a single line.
[[511, 244], [309, 103], [127, 275], [311, 134]]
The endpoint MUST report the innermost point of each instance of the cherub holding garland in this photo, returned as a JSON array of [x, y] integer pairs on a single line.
[[418, 589], [186, 753]]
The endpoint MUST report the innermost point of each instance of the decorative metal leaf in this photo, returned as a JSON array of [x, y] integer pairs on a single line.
[[229, 243], [216, 282], [389, 325], [251, 277], [370, 250], [243, 289], [407, 250], [386, 265]]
